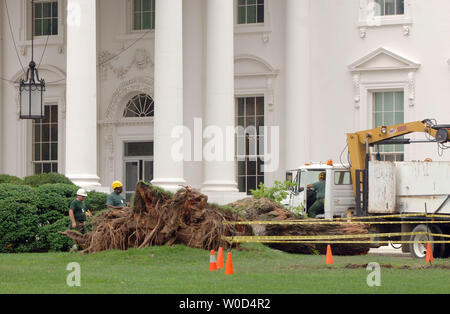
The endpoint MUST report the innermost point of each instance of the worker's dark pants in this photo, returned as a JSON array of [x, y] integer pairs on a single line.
[[316, 208], [81, 227]]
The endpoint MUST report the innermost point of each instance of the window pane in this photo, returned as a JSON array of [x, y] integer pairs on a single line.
[[260, 167], [250, 121], [399, 101], [153, 20], [389, 7], [251, 14], [47, 9], [241, 2], [242, 14], [46, 167], [37, 10], [146, 20], [251, 184], [251, 167], [399, 118], [45, 133], [146, 5], [260, 14], [379, 7], [400, 7], [241, 106], [37, 27], [241, 184], [54, 114], [139, 149], [55, 9], [389, 101], [250, 106], [137, 5], [54, 151], [389, 118], [46, 27], [241, 168], [37, 168], [45, 151], [250, 2], [54, 133], [260, 106], [54, 167], [259, 181], [378, 102], [37, 152], [378, 119]]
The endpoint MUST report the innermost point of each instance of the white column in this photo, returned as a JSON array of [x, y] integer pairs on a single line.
[[219, 174], [81, 102], [297, 83], [168, 169]]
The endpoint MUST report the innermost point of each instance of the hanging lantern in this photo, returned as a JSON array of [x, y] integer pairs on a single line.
[[31, 95], [32, 89]]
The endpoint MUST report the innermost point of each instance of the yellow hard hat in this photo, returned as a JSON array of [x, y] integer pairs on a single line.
[[322, 175], [116, 184]]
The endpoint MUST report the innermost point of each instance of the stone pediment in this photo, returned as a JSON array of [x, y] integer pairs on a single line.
[[382, 59], [248, 65]]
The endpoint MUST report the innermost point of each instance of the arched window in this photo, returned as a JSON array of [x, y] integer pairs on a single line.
[[139, 106]]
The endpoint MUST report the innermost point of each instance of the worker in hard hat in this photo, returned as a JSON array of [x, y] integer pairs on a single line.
[[77, 212], [318, 206], [115, 200]]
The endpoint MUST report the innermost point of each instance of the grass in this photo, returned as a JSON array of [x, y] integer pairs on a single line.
[[182, 270]]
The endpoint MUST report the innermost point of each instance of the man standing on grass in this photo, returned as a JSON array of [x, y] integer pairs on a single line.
[[115, 200], [77, 212]]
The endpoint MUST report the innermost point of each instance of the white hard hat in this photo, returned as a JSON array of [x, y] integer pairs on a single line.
[[81, 192]]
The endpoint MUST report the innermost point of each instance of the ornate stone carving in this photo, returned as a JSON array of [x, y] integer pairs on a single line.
[[141, 60], [357, 89], [411, 88], [406, 30], [362, 32]]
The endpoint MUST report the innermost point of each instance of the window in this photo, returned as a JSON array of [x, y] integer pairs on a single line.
[[143, 15], [250, 141], [139, 106], [342, 178], [388, 109], [250, 11], [389, 7], [45, 18], [45, 141]]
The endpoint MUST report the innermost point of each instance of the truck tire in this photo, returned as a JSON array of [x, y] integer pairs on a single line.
[[419, 250], [443, 247]]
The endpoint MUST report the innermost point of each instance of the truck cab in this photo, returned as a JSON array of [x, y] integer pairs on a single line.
[[339, 199]]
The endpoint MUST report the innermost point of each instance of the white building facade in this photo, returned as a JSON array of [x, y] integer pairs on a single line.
[[125, 78]]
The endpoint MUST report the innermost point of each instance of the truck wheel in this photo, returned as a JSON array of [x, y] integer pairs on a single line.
[[443, 247], [419, 250]]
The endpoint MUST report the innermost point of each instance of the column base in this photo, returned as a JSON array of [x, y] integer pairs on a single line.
[[88, 182], [169, 184], [224, 198], [222, 192]]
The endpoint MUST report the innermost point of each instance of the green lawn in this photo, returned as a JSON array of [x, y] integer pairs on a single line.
[[180, 270]]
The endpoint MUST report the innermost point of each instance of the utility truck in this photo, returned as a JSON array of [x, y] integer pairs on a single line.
[[409, 196]]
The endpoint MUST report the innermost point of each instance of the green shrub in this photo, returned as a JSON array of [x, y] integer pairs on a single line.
[[50, 240], [55, 197], [18, 193], [95, 201], [277, 193], [44, 178], [6, 178], [18, 226]]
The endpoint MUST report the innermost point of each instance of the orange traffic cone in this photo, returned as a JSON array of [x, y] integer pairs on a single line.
[[329, 257], [212, 261], [429, 256], [229, 265], [220, 258]]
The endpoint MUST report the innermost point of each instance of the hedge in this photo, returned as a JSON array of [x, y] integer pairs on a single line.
[[31, 215], [44, 178]]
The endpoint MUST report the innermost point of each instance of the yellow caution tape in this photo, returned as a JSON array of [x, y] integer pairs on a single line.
[[300, 222], [316, 238]]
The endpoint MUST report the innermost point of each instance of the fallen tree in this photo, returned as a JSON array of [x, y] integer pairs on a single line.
[[160, 218], [263, 209]]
